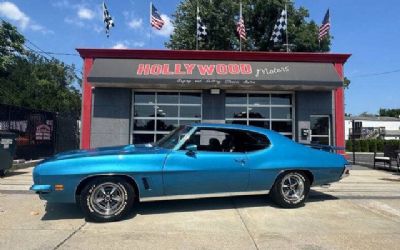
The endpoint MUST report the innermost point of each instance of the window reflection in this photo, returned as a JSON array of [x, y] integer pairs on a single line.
[[281, 99], [145, 97]]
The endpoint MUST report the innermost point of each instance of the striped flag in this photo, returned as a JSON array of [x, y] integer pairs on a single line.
[[326, 25], [240, 28], [108, 21], [155, 19]]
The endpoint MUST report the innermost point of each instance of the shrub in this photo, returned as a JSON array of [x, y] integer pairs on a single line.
[[372, 145], [349, 146], [357, 146], [379, 145], [364, 145]]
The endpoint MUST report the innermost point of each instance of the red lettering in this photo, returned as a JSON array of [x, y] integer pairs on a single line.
[[206, 69], [156, 69], [246, 69], [143, 69], [165, 70], [189, 68], [233, 69], [178, 70], [222, 69]]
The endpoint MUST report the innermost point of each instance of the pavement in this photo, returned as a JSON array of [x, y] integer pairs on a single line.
[[359, 212]]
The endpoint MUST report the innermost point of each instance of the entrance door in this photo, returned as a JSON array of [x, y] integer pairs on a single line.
[[320, 126]]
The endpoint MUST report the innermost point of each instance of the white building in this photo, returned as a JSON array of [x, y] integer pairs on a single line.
[[373, 127]]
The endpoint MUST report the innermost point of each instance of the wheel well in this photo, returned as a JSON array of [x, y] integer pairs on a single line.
[[83, 183], [307, 173]]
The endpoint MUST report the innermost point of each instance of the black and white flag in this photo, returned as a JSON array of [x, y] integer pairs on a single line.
[[280, 27], [108, 21], [201, 27]]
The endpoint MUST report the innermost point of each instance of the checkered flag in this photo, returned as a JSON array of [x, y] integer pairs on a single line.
[[280, 27], [108, 22], [201, 27]]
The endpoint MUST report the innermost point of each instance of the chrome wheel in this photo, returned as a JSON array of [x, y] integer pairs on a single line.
[[292, 186], [108, 198]]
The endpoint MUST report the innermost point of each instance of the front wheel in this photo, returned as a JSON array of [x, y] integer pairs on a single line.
[[2, 172], [291, 189], [107, 199]]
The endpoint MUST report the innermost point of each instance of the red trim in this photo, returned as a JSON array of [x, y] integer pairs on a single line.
[[339, 111], [86, 105], [214, 55]]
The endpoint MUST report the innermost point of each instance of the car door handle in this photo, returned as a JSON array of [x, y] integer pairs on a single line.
[[240, 161]]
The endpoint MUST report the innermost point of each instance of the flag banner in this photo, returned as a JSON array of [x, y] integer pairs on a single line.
[[240, 28], [156, 21], [279, 28], [325, 26], [108, 21], [201, 29]]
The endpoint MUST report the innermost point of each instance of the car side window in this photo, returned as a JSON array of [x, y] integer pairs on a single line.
[[226, 140]]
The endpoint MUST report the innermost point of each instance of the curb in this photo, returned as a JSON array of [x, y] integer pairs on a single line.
[[23, 165]]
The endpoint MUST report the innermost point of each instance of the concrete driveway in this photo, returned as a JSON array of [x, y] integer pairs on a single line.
[[360, 212]]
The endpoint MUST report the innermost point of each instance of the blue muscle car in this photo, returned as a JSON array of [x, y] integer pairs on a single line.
[[200, 159]]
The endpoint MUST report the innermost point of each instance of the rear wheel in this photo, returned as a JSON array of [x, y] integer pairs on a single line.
[[107, 199], [291, 189]]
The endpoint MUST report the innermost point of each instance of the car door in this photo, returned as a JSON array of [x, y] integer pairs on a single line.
[[209, 169]]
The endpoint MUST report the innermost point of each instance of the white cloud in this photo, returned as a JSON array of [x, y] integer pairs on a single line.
[[12, 12], [168, 27], [85, 13], [120, 45], [74, 21], [61, 4], [135, 23], [138, 44]]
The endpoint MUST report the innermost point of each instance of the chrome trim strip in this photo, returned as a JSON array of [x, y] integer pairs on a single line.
[[198, 196], [346, 171]]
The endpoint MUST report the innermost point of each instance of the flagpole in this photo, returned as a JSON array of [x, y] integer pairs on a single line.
[[151, 4], [240, 37], [287, 29], [197, 20]]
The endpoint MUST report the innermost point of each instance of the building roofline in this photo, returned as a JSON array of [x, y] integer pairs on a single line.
[[214, 55], [373, 118]]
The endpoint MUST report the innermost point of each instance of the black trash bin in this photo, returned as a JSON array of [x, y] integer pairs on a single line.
[[7, 151]]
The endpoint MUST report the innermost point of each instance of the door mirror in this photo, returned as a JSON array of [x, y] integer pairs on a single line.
[[192, 148]]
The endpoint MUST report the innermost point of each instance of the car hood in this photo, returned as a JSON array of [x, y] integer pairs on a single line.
[[116, 150]]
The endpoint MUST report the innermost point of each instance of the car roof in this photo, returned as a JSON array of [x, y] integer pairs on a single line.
[[232, 126]]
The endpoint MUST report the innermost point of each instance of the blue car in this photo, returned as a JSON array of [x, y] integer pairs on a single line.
[[192, 161]]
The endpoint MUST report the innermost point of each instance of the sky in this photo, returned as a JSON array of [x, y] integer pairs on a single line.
[[367, 29]]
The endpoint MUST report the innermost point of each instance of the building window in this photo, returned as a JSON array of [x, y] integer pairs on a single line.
[[157, 113], [270, 110]]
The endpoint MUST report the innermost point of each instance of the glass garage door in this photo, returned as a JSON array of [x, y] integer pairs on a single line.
[[157, 113], [267, 110]]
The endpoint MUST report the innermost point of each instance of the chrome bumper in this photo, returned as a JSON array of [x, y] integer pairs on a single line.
[[346, 171]]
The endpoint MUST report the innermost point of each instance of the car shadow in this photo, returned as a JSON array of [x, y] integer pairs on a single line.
[[14, 173], [57, 211]]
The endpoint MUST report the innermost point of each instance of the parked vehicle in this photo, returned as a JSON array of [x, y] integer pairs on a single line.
[[191, 161]]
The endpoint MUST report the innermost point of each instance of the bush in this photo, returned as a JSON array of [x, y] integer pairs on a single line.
[[370, 145], [364, 145], [349, 146], [357, 146]]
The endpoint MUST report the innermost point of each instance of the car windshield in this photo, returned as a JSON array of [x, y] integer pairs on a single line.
[[169, 141]]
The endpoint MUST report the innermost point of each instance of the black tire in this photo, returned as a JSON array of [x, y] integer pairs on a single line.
[[282, 198], [2, 173], [93, 191]]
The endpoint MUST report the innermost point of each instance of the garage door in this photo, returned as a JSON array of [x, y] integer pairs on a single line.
[[268, 110], [157, 113]]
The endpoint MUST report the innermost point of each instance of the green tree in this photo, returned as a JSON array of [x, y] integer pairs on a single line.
[[33, 81], [259, 16], [389, 112]]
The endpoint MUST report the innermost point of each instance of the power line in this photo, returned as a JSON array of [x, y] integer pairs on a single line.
[[376, 74]]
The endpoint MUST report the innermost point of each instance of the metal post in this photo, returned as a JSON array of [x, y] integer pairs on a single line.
[[197, 28], [240, 17], [353, 140], [287, 29]]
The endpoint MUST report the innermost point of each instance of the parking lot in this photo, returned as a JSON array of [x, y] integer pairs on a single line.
[[360, 212]]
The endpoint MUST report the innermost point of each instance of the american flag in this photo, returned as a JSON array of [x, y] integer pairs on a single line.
[[326, 25], [240, 28], [156, 20]]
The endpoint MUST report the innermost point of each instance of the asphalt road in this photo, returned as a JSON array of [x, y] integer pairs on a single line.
[[360, 212]]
